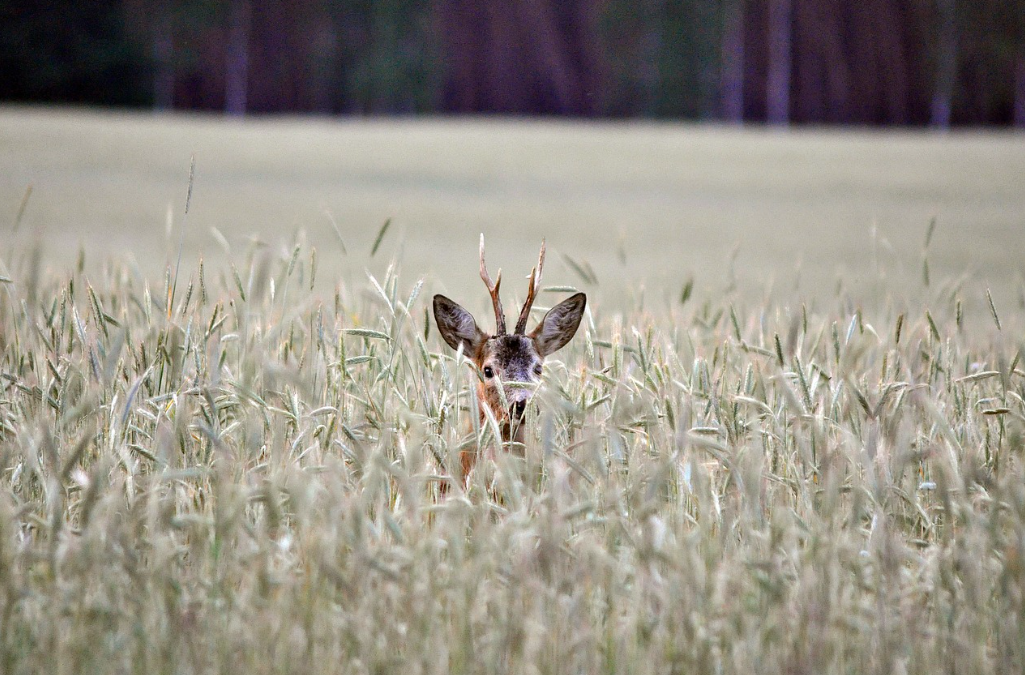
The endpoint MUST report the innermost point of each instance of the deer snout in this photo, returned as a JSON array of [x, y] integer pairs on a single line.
[[517, 409]]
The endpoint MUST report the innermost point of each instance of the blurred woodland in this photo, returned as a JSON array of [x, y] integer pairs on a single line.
[[865, 62]]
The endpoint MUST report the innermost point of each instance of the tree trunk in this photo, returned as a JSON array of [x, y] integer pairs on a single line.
[[549, 51], [731, 74], [236, 71], [946, 73], [163, 58], [890, 54], [323, 80], [836, 66], [1019, 92], [651, 43], [777, 95]]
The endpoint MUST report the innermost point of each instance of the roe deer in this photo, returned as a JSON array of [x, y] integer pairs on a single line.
[[504, 359]]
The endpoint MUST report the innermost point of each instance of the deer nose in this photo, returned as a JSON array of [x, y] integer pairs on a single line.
[[518, 408]]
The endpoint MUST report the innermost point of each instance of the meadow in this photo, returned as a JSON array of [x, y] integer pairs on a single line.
[[788, 437]]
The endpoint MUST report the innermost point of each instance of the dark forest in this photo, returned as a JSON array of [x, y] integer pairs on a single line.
[[868, 62]]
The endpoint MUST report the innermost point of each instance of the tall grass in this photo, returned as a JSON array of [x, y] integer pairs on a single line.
[[250, 480]]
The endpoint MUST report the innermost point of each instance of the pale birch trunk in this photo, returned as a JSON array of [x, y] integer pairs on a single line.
[[236, 71], [946, 71], [731, 81]]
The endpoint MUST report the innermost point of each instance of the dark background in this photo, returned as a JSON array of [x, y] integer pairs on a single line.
[[864, 62]]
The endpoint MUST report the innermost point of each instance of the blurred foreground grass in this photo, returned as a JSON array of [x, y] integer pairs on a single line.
[[246, 479]]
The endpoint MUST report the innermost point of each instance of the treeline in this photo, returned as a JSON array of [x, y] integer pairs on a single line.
[[878, 62]]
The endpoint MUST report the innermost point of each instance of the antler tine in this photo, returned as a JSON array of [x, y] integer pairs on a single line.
[[493, 290], [533, 285]]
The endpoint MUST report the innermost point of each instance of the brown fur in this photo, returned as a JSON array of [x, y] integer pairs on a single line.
[[508, 358]]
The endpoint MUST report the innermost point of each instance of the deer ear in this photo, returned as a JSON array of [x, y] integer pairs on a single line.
[[559, 324], [457, 326]]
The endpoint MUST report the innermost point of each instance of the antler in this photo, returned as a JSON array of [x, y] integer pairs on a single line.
[[535, 283], [493, 290]]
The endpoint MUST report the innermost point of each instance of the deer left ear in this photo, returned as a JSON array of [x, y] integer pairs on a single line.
[[457, 326], [559, 325]]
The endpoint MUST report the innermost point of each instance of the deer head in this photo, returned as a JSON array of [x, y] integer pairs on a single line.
[[510, 365]]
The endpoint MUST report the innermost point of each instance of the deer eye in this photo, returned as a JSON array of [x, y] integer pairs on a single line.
[[488, 373], [537, 369]]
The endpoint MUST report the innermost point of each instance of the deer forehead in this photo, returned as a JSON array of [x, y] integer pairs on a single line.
[[510, 352]]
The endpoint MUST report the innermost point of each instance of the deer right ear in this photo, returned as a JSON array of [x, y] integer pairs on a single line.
[[457, 326], [559, 324]]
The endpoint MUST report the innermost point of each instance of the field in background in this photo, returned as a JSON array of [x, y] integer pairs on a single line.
[[648, 205], [239, 468]]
